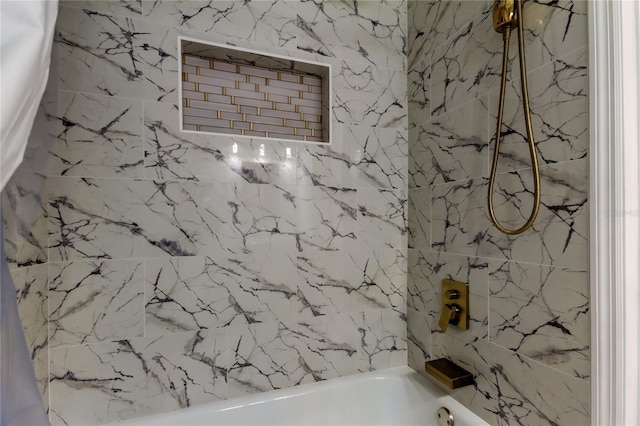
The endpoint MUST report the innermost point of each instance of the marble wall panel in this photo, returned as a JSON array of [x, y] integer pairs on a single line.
[[253, 265], [529, 334]]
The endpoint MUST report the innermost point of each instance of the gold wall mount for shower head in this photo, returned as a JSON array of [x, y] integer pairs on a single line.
[[504, 15]]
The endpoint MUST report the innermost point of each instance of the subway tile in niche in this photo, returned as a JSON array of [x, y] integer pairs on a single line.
[[116, 56]]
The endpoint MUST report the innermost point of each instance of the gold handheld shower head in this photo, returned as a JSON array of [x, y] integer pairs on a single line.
[[504, 15]]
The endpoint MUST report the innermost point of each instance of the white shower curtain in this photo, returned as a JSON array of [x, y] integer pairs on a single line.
[[26, 34]]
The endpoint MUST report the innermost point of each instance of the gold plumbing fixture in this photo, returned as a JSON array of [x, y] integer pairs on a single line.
[[455, 305], [505, 18], [448, 373]]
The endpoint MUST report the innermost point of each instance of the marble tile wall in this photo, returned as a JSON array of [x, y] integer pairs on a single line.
[[528, 343], [190, 268]]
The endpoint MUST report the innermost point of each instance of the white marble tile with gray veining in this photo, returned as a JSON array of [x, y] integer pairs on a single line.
[[466, 66], [461, 225], [339, 282], [513, 389], [278, 355], [174, 155], [381, 282], [418, 339], [419, 92], [382, 96], [332, 165], [543, 313], [101, 218], [453, 146], [383, 339], [193, 293], [382, 218], [128, 8], [433, 22], [135, 377], [368, 95], [381, 156], [552, 30], [32, 299], [371, 32], [95, 301], [99, 136], [327, 283], [559, 114], [116, 56], [419, 218], [24, 218], [327, 218], [271, 22]]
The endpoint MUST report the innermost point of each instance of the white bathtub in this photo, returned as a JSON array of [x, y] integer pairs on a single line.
[[396, 396]]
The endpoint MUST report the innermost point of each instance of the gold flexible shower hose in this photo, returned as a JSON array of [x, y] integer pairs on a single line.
[[527, 117]]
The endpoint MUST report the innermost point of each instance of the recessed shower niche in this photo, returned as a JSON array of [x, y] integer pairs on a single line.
[[235, 91]]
